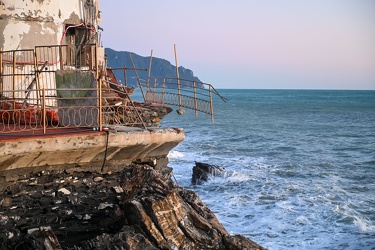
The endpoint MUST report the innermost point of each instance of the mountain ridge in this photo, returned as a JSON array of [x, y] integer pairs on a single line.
[[160, 67]]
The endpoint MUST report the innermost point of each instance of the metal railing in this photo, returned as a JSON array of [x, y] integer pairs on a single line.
[[34, 97], [34, 94], [70, 112], [17, 115], [36, 68], [182, 93]]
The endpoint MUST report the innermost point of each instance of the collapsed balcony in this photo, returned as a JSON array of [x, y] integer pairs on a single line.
[[51, 88]]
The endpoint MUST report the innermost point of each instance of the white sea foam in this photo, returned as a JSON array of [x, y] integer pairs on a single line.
[[175, 155], [302, 220], [364, 225], [238, 177]]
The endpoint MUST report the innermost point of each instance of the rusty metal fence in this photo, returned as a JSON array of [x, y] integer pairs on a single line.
[[17, 115], [35, 96], [33, 99], [36, 68]]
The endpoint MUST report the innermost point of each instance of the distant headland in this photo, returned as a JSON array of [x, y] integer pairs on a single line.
[[160, 67]]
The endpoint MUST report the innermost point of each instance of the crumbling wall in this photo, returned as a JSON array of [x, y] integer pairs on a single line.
[[25, 24]]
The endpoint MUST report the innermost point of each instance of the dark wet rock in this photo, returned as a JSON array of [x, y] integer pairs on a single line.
[[202, 172], [37, 238], [137, 208], [239, 242]]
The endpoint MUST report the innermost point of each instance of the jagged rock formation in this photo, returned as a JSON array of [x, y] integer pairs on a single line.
[[137, 208], [202, 172]]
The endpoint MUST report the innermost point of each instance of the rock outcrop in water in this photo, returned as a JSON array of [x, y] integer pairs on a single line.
[[137, 208], [202, 172]]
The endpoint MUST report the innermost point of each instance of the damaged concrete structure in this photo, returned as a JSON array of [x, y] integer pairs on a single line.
[[55, 83], [82, 166], [25, 24], [38, 38]]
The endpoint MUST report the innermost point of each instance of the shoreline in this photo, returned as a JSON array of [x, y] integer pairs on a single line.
[[134, 208]]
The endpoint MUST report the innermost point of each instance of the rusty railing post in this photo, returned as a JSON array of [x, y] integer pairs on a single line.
[[61, 58], [211, 105], [14, 77], [136, 73], [154, 92], [195, 99], [38, 93], [149, 73], [1, 70], [178, 81], [125, 81], [99, 82], [44, 115], [162, 92]]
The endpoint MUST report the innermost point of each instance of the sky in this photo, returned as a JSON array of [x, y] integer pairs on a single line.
[[248, 44]]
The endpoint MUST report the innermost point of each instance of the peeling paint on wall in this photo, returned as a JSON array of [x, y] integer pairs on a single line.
[[73, 19], [2, 5], [13, 34], [27, 23], [45, 9]]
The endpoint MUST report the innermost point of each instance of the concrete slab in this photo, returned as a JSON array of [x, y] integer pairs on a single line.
[[126, 144]]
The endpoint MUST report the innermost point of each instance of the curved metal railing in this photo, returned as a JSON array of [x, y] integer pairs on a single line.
[[182, 93]]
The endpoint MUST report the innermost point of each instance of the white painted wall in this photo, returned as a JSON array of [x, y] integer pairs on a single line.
[[28, 23]]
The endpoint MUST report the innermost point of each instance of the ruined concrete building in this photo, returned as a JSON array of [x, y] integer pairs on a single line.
[[82, 165], [25, 24]]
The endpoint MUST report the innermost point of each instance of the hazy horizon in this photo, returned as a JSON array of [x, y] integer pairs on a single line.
[[248, 44]]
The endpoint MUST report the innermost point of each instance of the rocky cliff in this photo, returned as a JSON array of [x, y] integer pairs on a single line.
[[139, 207]]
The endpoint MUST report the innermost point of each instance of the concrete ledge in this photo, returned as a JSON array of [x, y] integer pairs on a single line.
[[80, 149]]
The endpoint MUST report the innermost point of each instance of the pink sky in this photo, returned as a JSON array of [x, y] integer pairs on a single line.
[[282, 44]]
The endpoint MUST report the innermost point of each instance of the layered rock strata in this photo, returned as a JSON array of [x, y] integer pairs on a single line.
[[137, 208]]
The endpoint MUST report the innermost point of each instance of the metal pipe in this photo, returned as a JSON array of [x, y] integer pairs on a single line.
[[195, 99], [178, 79], [61, 58], [154, 92], [125, 68], [1, 70], [14, 79], [38, 92], [31, 86], [44, 110], [99, 82], [149, 72], [162, 92], [125, 81], [211, 106], [136, 73]]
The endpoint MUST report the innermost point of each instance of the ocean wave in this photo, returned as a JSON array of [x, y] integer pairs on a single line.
[[238, 177], [364, 225], [305, 175], [175, 155], [350, 215]]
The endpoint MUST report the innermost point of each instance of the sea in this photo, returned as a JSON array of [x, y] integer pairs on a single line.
[[299, 165]]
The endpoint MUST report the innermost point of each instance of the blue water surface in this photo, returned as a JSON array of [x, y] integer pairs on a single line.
[[300, 166]]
